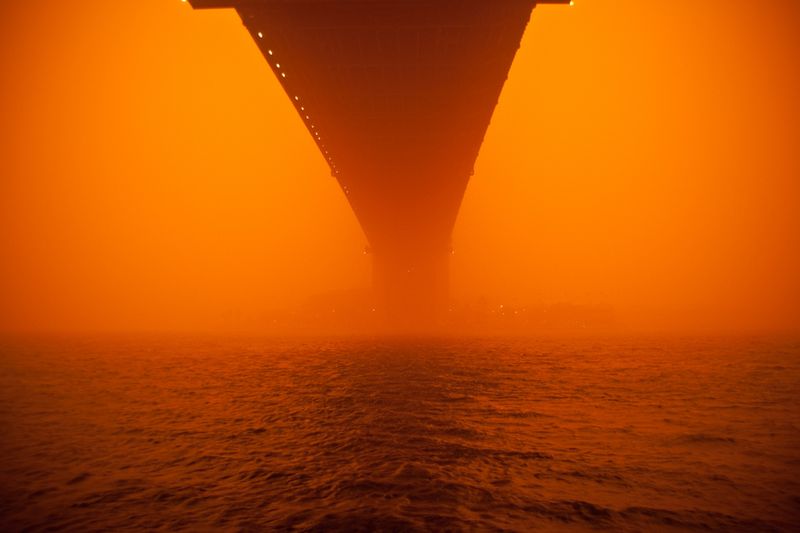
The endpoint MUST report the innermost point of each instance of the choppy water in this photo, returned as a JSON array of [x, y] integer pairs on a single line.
[[396, 435]]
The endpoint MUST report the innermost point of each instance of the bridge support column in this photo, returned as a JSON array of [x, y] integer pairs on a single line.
[[412, 286]]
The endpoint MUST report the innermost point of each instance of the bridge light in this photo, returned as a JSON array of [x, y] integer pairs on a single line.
[[277, 65], [283, 74], [296, 98], [269, 52], [260, 35]]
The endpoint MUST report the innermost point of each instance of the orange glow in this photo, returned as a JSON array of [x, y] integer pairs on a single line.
[[643, 157], [230, 299]]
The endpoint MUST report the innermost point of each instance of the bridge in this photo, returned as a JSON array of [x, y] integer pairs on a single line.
[[397, 95]]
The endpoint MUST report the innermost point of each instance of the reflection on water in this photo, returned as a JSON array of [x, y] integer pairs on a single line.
[[396, 435]]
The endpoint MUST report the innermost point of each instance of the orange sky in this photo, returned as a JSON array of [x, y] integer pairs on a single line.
[[643, 156]]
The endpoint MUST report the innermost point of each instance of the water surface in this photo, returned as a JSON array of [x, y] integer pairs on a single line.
[[494, 434]]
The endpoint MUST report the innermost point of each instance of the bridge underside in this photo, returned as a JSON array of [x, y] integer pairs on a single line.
[[398, 95]]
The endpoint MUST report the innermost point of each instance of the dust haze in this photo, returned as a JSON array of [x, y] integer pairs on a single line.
[[641, 168]]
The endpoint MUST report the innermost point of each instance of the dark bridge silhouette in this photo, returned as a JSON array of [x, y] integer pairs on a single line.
[[398, 95]]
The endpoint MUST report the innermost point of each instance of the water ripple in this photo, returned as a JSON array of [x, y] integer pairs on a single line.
[[392, 435]]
